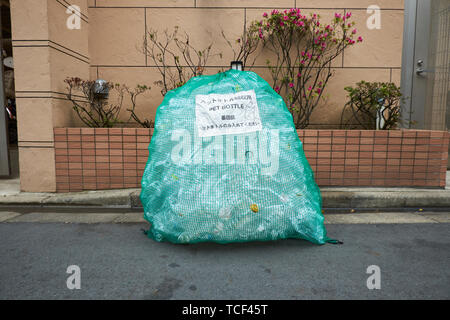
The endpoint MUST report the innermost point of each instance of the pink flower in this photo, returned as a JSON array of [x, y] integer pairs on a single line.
[[291, 85], [265, 14], [319, 90], [337, 15], [354, 31], [360, 39], [285, 18], [348, 15], [310, 88], [299, 75], [277, 89]]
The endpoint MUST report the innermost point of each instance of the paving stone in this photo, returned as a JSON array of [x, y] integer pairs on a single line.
[[134, 217], [66, 217], [4, 216], [376, 218]]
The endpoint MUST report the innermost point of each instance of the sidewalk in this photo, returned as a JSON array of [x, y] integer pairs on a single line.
[[338, 199]]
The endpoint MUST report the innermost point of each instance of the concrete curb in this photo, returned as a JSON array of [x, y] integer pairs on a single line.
[[137, 217], [386, 199], [121, 198], [369, 198]]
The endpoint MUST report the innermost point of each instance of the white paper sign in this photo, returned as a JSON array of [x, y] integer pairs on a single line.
[[233, 113]]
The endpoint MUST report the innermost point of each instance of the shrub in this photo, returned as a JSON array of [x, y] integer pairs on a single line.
[[246, 46], [97, 111], [133, 94], [304, 48], [372, 105], [174, 56]]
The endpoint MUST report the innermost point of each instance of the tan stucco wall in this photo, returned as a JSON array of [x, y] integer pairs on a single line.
[[118, 26], [107, 47], [45, 51]]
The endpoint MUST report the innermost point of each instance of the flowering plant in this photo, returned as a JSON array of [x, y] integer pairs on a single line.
[[304, 48]]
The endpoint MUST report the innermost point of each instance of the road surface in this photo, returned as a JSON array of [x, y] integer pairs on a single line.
[[117, 261]]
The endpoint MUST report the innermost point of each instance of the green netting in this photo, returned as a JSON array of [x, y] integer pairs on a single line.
[[219, 172]]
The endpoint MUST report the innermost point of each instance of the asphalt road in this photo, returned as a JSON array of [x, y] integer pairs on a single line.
[[118, 262]]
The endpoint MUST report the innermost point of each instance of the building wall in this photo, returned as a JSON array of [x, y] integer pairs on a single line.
[[118, 28], [45, 51], [107, 46]]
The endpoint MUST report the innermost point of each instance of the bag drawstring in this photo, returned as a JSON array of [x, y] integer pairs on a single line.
[[333, 241]]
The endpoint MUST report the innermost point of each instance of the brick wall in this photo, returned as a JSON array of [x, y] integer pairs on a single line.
[[397, 158], [100, 158]]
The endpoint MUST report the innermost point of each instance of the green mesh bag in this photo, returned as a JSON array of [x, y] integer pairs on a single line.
[[226, 165]]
